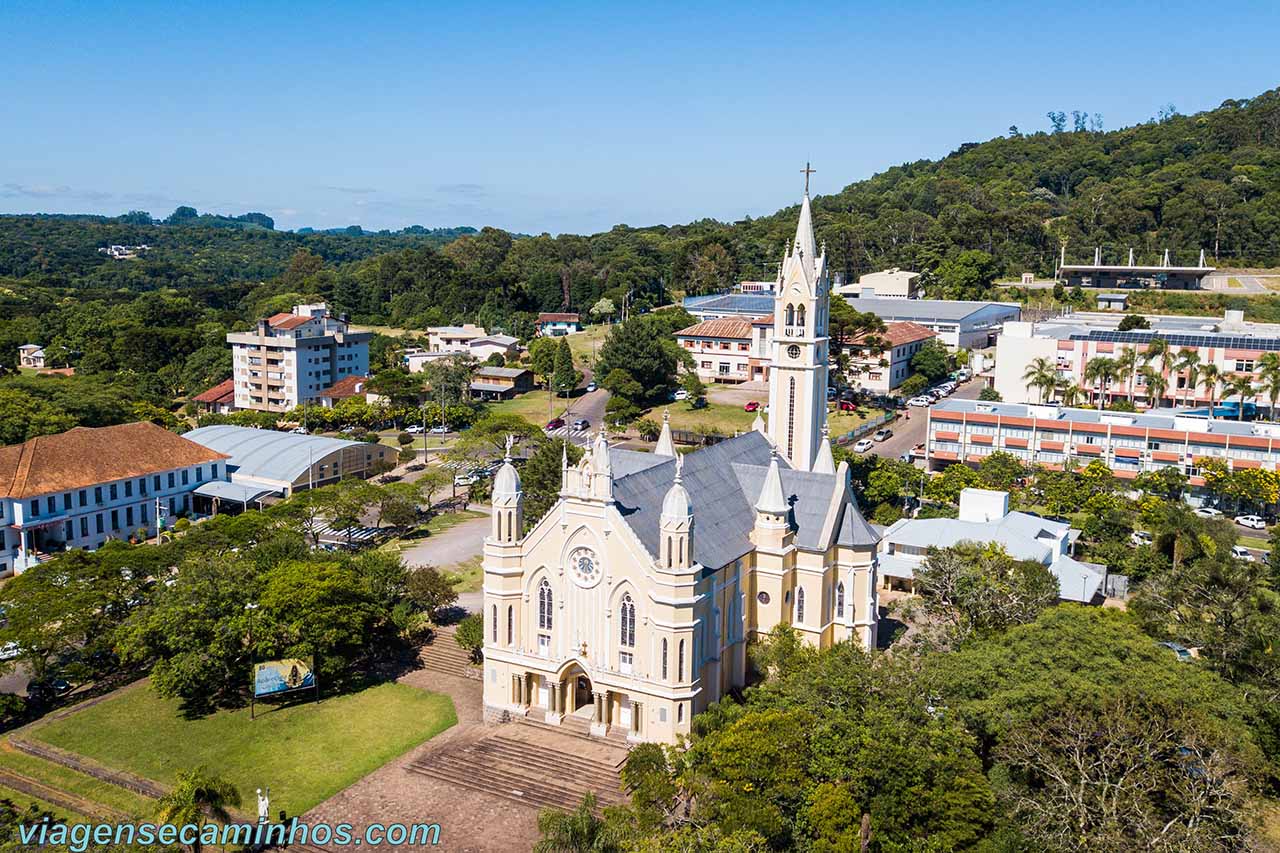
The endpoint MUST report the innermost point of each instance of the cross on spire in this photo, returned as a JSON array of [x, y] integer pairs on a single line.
[[806, 171]]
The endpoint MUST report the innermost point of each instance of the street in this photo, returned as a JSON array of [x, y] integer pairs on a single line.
[[908, 433]]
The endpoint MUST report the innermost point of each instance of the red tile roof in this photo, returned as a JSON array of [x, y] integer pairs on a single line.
[[897, 334], [223, 392], [90, 456], [347, 386], [722, 327], [557, 318], [285, 320]]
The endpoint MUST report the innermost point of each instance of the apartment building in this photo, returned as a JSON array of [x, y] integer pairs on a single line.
[[291, 358], [885, 370], [79, 488], [892, 283], [729, 349], [1071, 343], [452, 338], [969, 430]]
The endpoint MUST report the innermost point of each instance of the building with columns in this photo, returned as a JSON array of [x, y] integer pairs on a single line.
[[626, 610]]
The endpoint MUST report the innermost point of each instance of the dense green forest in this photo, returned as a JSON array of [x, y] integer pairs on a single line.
[[989, 209]]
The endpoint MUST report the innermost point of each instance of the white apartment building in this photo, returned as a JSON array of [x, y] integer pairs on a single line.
[[79, 488], [730, 349], [882, 371], [891, 284], [291, 358], [452, 338]]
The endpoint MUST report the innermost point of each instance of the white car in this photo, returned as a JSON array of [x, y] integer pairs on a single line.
[[465, 480], [1140, 537], [963, 375], [414, 429], [680, 395], [1251, 521], [1208, 512], [9, 651], [919, 401], [298, 431], [439, 430], [863, 446], [1242, 553]]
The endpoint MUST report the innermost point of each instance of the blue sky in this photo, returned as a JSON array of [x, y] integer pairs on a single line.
[[563, 117]]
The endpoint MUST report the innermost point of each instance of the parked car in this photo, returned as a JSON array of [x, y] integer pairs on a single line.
[[9, 651], [555, 423], [298, 431], [680, 395], [882, 434], [751, 406], [414, 429], [846, 406], [390, 478], [919, 401], [1208, 512], [467, 479], [863, 445], [591, 386], [963, 375], [831, 393], [441, 429], [1184, 655], [1242, 553], [415, 466], [582, 424], [848, 394], [1140, 537], [1253, 521]]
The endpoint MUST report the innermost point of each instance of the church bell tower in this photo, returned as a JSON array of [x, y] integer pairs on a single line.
[[798, 370]]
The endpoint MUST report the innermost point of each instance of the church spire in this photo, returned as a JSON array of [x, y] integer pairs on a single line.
[[825, 463], [665, 446], [805, 245], [772, 500]]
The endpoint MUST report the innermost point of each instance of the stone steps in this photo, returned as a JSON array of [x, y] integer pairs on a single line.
[[444, 655], [576, 727], [524, 772]]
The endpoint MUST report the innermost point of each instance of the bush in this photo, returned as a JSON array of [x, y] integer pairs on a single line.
[[620, 411], [404, 439], [470, 635], [989, 395], [407, 454], [649, 429], [886, 514]]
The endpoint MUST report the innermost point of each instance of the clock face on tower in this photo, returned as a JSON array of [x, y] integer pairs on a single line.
[[583, 567], [793, 352]]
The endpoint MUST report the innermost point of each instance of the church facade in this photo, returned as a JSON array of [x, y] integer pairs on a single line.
[[630, 604]]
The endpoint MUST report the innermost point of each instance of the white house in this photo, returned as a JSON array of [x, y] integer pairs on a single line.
[[32, 356], [891, 284]]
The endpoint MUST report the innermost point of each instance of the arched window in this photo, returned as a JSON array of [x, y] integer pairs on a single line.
[[680, 712], [670, 549], [680, 661], [544, 606], [791, 416], [840, 600], [494, 623], [664, 658], [511, 625], [628, 621], [681, 546], [800, 605], [500, 515], [791, 315], [800, 316]]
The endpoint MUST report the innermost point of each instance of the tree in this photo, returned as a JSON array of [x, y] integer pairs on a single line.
[[578, 831], [641, 349], [1211, 375], [1269, 380], [430, 589], [1127, 364], [913, 385], [932, 360], [979, 589], [693, 386], [470, 634], [1099, 373], [1001, 470], [948, 485], [989, 395], [603, 309], [564, 377], [540, 477], [1156, 385], [1042, 374], [486, 439], [542, 358], [400, 387], [197, 797], [969, 275], [1130, 322], [1240, 384], [1189, 362]]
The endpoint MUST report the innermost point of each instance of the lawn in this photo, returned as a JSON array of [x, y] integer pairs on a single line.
[[22, 800], [532, 406], [467, 576], [74, 782], [306, 752], [730, 418], [586, 344], [1255, 543]]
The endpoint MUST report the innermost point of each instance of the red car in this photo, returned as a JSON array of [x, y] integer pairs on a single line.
[[555, 423], [846, 406], [752, 406]]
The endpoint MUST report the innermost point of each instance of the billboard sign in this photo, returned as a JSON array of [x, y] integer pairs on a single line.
[[282, 676]]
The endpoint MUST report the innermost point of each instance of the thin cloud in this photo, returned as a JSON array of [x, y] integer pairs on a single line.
[[351, 190], [472, 190], [15, 190]]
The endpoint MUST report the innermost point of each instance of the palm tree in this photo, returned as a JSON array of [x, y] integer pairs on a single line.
[[1157, 350], [1042, 373], [1211, 375], [1069, 393], [1098, 373], [1189, 361], [1156, 385], [197, 796], [1269, 374], [1127, 364], [1242, 384], [578, 831]]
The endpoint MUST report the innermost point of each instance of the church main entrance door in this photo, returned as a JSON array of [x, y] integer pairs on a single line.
[[581, 692]]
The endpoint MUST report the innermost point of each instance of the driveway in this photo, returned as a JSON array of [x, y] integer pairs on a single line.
[[590, 406], [909, 432], [460, 542]]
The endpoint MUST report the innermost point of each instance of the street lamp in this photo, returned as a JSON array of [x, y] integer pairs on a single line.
[[249, 608]]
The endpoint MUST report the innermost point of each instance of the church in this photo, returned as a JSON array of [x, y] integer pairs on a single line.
[[627, 609]]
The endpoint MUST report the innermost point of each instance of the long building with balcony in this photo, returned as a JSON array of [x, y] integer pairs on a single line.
[[79, 488], [291, 358], [970, 430]]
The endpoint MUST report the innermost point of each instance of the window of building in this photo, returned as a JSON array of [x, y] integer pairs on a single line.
[[664, 659], [97, 495], [199, 474], [84, 497], [493, 632], [172, 480], [113, 491], [66, 501], [680, 661], [511, 624], [115, 519], [52, 503], [155, 482], [84, 526], [35, 508], [840, 600], [800, 605], [544, 606], [97, 519], [128, 516], [186, 476], [625, 659], [142, 485], [628, 621]]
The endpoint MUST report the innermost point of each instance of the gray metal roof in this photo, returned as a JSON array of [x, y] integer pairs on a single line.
[[239, 492], [927, 310], [747, 304], [264, 453], [723, 482], [503, 372], [1024, 537]]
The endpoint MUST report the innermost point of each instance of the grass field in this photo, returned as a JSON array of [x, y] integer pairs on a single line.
[[22, 800], [74, 782], [585, 344], [306, 753], [532, 406], [730, 418], [468, 576]]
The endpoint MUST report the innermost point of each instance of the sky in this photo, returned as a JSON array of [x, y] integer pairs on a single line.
[[560, 117]]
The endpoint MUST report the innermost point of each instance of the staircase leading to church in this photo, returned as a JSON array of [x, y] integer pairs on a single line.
[[443, 654], [537, 768]]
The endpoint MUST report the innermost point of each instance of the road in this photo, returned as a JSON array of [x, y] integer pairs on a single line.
[[908, 433], [590, 406], [1246, 283]]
